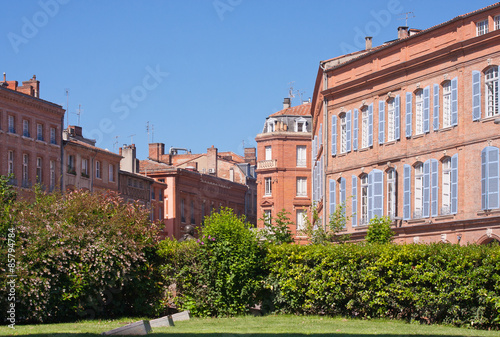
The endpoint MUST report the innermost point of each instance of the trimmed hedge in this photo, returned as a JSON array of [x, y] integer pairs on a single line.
[[435, 283]]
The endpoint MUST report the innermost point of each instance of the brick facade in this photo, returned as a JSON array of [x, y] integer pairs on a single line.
[[412, 117], [284, 152]]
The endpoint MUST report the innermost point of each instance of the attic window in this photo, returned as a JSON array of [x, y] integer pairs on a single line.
[[481, 27], [301, 125], [271, 123]]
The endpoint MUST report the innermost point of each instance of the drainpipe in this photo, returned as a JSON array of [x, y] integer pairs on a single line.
[[62, 155]]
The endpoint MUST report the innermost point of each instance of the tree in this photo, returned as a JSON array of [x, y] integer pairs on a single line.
[[277, 230], [335, 228], [379, 230]]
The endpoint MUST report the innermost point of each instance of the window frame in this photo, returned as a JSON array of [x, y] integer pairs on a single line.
[[301, 152], [39, 163], [391, 193], [391, 119], [111, 173], [39, 132], [482, 27], [418, 191], [10, 162], [491, 96], [363, 193], [446, 190], [26, 128], [343, 133], [301, 187], [268, 187], [419, 112], [365, 125]]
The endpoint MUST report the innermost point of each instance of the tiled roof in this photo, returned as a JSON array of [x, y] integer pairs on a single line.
[[298, 110], [90, 147]]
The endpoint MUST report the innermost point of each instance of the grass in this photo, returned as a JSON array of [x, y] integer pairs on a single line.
[[283, 325]]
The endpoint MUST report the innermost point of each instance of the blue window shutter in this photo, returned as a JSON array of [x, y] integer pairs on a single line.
[[427, 188], [454, 101], [435, 113], [408, 114], [434, 187], [370, 195], [334, 135], [332, 196], [381, 122], [454, 184], [407, 192], [427, 106], [320, 136], [348, 126], [476, 95], [397, 117], [354, 210], [498, 98], [342, 191], [378, 193], [355, 136], [492, 182], [370, 125]]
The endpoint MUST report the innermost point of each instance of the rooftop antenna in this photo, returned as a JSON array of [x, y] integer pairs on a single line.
[[116, 142], [147, 130], [290, 91], [406, 17], [132, 139], [78, 113], [67, 103], [152, 133]]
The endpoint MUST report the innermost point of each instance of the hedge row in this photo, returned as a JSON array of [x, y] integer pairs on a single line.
[[435, 283]]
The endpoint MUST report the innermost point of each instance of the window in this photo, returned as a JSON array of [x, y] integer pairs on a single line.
[[267, 216], [26, 128], [490, 178], [301, 156], [11, 122], [192, 213], [71, 164], [481, 27], [270, 124], [446, 187], [153, 195], [52, 175], [10, 168], [391, 193], [391, 120], [183, 218], [419, 174], [25, 171], [419, 112], [85, 168], [111, 173], [39, 132], [53, 136], [491, 90], [301, 223], [365, 123], [343, 134], [268, 187], [269, 154], [98, 169], [302, 187], [447, 104], [497, 22], [301, 125], [38, 170], [364, 200]]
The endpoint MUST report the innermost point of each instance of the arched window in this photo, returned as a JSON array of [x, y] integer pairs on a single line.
[[491, 91]]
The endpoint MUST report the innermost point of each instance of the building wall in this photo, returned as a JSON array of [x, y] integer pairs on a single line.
[[428, 61], [40, 149]]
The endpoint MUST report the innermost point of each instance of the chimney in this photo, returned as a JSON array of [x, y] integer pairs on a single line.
[[128, 163], [4, 77], [156, 151], [75, 131], [286, 103], [368, 43], [402, 32], [212, 160], [250, 155]]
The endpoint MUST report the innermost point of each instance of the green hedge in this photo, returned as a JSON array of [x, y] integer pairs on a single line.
[[435, 283]]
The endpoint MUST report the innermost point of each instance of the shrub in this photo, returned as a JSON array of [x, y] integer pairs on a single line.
[[379, 230], [277, 230], [83, 255]]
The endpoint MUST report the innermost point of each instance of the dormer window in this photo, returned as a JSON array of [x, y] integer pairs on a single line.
[[271, 125], [301, 125]]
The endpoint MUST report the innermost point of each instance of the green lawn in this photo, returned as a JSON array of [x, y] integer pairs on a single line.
[[254, 326]]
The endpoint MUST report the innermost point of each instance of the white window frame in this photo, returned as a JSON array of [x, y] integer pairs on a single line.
[[363, 219], [301, 156], [446, 187], [39, 132], [98, 169], [481, 27], [267, 216], [268, 187], [300, 221], [447, 104], [53, 139], [85, 166], [271, 125], [10, 167], [301, 187], [391, 119], [343, 133], [39, 170], [25, 169], [111, 173], [71, 162], [419, 191], [419, 112], [365, 124], [11, 124], [268, 153], [496, 20], [301, 125], [26, 128], [391, 193], [491, 91]]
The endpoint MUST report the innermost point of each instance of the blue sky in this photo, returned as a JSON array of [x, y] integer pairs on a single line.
[[203, 72]]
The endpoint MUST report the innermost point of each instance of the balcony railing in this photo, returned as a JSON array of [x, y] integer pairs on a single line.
[[267, 164]]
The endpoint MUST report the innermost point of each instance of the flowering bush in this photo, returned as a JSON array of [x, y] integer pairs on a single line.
[[83, 255]]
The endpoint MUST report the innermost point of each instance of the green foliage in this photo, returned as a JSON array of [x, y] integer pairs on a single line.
[[379, 230], [83, 255], [277, 230], [220, 274], [435, 283], [336, 226]]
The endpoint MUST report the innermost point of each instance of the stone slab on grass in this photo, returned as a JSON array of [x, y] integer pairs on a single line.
[[181, 316], [136, 328], [162, 321]]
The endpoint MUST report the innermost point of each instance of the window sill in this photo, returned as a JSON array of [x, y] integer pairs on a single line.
[[444, 217], [488, 212], [448, 128], [415, 221], [418, 136], [54, 145], [364, 149], [41, 142], [342, 154], [13, 134], [392, 142], [489, 119]]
